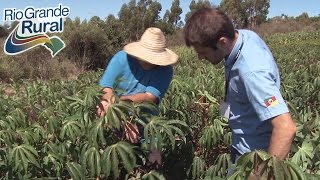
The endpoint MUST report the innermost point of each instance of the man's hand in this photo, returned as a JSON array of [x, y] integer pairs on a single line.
[[102, 108]]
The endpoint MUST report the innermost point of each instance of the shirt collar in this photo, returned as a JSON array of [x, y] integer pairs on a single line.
[[231, 58]]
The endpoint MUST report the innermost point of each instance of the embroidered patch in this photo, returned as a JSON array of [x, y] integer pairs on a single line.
[[272, 101]]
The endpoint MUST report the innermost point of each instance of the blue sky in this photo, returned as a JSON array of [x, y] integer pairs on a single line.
[[102, 8]]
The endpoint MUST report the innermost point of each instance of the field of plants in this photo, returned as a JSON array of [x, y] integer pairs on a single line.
[[49, 129]]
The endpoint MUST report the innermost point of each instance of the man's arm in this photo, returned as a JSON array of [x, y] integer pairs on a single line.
[[283, 132], [140, 97]]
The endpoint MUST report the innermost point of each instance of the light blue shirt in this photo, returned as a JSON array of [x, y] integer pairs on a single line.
[[253, 93], [124, 73]]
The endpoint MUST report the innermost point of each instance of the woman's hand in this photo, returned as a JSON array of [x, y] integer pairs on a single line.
[[102, 108]]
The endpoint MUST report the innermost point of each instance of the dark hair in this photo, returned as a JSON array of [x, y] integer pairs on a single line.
[[206, 26]]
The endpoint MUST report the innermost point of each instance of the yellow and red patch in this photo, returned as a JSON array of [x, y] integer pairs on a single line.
[[272, 101]]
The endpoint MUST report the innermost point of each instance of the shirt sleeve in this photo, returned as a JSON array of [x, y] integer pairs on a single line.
[[160, 84], [113, 70], [264, 95]]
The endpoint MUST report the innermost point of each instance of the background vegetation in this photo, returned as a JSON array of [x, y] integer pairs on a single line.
[[48, 126], [91, 43]]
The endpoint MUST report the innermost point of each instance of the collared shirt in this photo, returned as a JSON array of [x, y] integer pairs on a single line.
[[125, 75], [253, 93]]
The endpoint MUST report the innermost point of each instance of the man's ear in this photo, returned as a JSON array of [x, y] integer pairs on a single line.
[[222, 43]]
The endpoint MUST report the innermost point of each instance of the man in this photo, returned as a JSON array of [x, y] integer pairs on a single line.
[[144, 71], [258, 115]]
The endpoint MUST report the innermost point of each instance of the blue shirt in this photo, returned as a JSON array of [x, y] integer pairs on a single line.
[[124, 73], [253, 93]]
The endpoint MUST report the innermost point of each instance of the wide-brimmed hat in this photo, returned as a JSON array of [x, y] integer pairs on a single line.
[[152, 48]]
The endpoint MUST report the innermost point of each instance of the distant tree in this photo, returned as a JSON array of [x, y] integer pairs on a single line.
[[125, 13], [96, 21], [136, 17], [151, 16], [257, 11], [285, 17], [246, 12], [195, 5], [86, 43], [114, 35], [235, 10], [315, 18], [164, 24], [171, 19], [166, 16], [77, 21], [3, 31], [282, 17], [127, 19], [13, 25], [303, 17], [174, 15]]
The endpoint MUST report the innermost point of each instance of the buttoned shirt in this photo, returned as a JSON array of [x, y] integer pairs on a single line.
[[125, 75], [253, 92]]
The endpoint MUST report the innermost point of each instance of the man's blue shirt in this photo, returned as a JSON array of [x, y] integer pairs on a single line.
[[253, 93], [124, 73]]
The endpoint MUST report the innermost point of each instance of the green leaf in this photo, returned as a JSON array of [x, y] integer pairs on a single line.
[[91, 159], [116, 153], [96, 132], [75, 170], [153, 175], [278, 169], [71, 129], [304, 154], [295, 171], [21, 156], [197, 167]]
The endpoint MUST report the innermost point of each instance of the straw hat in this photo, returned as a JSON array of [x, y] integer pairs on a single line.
[[152, 48]]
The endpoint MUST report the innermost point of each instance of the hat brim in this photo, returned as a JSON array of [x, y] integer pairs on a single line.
[[163, 58]]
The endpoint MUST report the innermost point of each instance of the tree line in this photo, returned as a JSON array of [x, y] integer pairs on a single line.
[[89, 43]]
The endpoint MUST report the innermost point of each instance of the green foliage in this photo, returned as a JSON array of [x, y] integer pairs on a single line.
[[20, 156], [153, 175], [303, 155], [198, 167], [213, 133], [75, 170], [257, 11], [49, 129], [235, 11], [164, 129], [246, 12], [35, 64], [174, 15], [86, 43], [195, 5], [259, 164], [135, 17], [3, 31]]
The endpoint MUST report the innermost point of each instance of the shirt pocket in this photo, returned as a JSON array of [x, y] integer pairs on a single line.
[[238, 93]]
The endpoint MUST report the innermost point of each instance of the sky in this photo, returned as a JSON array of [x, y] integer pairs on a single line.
[[85, 9]]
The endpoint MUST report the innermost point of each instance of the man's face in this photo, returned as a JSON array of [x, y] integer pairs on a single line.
[[214, 56]]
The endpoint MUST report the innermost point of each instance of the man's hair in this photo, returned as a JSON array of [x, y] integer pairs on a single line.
[[206, 26]]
